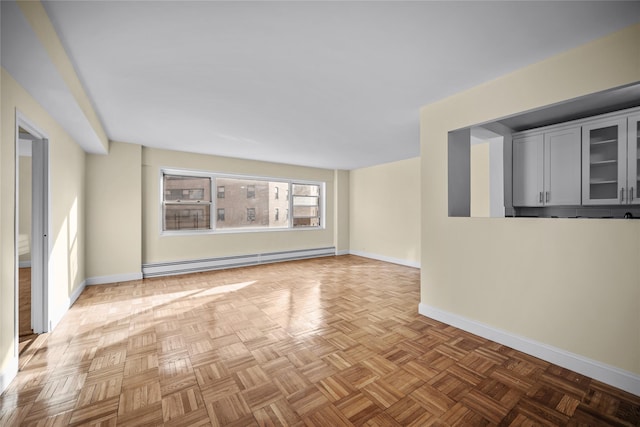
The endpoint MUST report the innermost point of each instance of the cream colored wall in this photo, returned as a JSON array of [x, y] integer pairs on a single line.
[[480, 189], [385, 211], [67, 203], [157, 248], [569, 283], [24, 210], [67, 241], [114, 211], [341, 211]]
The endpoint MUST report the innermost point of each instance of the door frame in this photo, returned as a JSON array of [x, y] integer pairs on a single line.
[[40, 227]]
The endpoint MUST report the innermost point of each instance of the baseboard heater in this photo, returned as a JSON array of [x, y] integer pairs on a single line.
[[193, 266]]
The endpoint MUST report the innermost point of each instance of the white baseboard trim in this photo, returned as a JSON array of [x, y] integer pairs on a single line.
[[24, 264], [384, 258], [76, 294], [57, 317], [114, 278], [608, 374], [8, 374], [196, 265], [344, 252]]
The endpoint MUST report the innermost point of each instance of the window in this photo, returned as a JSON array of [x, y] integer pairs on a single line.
[[187, 202], [197, 201], [306, 205], [251, 214]]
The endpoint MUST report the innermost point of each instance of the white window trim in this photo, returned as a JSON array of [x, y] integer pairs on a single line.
[[214, 206]]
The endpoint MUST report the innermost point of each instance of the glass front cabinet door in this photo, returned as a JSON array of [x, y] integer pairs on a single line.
[[604, 162], [633, 159]]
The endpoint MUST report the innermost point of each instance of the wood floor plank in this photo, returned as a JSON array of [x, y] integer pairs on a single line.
[[322, 342]]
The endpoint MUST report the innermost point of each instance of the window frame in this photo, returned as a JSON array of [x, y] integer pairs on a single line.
[[214, 205], [186, 202]]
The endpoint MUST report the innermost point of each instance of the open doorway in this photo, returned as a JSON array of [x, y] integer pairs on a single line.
[[25, 181], [32, 231]]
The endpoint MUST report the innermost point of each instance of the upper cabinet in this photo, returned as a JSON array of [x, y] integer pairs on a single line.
[[633, 163], [587, 162], [609, 161], [528, 170], [547, 169]]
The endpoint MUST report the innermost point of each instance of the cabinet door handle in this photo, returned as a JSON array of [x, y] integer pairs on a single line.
[[540, 198], [622, 194], [631, 195], [546, 196]]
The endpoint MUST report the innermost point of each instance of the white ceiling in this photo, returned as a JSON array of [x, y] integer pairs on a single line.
[[325, 84]]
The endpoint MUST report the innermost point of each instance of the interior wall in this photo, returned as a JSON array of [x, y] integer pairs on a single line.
[[568, 283], [341, 234], [67, 242], [480, 167], [114, 212], [162, 248], [385, 211], [67, 204], [496, 177], [24, 209]]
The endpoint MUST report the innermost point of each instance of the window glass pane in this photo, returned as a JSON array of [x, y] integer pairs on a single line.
[[251, 203], [305, 211], [306, 222], [187, 217], [186, 188], [306, 190], [186, 202], [306, 205], [305, 201]]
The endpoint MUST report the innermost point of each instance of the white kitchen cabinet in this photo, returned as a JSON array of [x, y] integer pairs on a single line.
[[528, 170], [547, 169], [633, 159], [610, 161]]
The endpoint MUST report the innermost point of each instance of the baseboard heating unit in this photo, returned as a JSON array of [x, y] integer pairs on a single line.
[[193, 266]]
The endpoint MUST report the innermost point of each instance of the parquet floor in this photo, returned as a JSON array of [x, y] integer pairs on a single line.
[[326, 342], [24, 300]]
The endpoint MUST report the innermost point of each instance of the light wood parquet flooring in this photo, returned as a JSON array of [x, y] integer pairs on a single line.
[[24, 301], [325, 342]]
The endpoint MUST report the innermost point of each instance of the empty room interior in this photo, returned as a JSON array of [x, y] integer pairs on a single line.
[[320, 213]]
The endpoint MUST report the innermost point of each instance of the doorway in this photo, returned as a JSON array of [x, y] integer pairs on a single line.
[[32, 231]]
